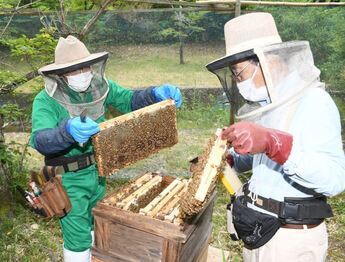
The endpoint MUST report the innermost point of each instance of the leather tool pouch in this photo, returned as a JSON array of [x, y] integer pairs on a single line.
[[253, 227], [53, 200]]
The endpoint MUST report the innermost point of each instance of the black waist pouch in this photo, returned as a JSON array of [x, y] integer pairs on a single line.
[[253, 227]]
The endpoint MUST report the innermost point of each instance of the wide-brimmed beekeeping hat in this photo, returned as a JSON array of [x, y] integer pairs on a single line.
[[287, 67], [71, 54], [245, 33]]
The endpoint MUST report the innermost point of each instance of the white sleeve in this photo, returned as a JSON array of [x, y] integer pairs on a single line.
[[317, 158]]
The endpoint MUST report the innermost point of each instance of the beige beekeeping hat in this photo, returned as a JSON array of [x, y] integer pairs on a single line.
[[249, 31], [71, 53], [243, 34]]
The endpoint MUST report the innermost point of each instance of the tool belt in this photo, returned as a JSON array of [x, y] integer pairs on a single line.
[[47, 200], [310, 210], [71, 164], [256, 228]]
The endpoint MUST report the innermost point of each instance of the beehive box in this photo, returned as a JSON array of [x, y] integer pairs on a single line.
[[139, 230]]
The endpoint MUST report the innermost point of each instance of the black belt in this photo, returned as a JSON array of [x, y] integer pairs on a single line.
[[72, 164], [310, 210]]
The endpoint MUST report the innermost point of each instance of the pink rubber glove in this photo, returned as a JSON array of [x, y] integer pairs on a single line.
[[250, 138]]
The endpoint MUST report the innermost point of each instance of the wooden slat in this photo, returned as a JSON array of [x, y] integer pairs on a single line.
[[202, 231], [173, 214], [95, 259], [143, 179], [166, 199], [142, 190], [145, 223], [211, 168], [135, 244], [202, 257], [128, 189], [135, 114], [171, 251], [102, 237], [155, 201], [170, 206]]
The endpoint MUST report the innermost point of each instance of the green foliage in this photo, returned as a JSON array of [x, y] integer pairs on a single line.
[[12, 153], [10, 113], [324, 29], [69, 5], [8, 3], [83, 5], [185, 25], [203, 115], [35, 51], [8, 77]]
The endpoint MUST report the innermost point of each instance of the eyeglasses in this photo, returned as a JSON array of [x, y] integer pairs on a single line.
[[236, 75]]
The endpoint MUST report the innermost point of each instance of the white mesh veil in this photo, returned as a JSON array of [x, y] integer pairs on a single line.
[[288, 69], [91, 101]]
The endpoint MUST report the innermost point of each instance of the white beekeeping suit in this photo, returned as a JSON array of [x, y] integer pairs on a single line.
[[289, 129], [300, 106]]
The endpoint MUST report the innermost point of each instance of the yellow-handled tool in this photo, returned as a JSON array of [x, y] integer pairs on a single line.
[[230, 179]]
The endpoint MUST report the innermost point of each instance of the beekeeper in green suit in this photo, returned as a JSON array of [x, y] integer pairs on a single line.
[[75, 85]]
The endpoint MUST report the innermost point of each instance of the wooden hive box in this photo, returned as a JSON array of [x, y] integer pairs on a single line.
[[124, 235]]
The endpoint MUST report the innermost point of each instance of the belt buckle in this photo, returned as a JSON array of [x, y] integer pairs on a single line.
[[291, 211], [82, 162], [253, 197]]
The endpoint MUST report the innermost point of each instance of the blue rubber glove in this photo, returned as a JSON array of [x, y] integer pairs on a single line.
[[167, 91], [81, 131]]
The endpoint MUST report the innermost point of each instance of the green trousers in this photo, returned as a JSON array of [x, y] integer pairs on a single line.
[[84, 189]]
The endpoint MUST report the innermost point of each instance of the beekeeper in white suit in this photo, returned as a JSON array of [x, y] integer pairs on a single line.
[[288, 133]]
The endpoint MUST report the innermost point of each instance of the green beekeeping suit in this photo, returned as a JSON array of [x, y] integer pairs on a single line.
[[84, 187]]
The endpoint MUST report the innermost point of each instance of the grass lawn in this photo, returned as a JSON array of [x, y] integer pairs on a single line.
[[25, 237], [137, 66]]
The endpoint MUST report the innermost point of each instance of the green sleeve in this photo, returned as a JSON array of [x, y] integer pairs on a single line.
[[119, 97], [45, 114]]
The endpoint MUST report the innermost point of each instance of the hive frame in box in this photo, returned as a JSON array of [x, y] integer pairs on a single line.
[[124, 236]]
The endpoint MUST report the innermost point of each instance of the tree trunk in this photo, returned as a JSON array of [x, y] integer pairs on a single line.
[[181, 51]]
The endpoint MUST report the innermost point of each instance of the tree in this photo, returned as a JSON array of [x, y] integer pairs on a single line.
[[33, 51], [36, 49], [185, 25]]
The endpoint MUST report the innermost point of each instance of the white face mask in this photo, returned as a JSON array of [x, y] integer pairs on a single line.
[[250, 92], [80, 82]]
